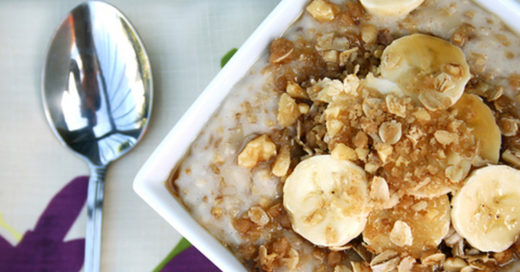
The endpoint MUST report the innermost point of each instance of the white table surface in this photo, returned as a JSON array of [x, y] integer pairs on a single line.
[[185, 41]]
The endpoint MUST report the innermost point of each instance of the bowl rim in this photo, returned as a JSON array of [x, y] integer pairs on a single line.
[[149, 182]]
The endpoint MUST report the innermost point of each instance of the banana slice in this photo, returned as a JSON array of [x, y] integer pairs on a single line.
[[327, 200], [486, 211], [427, 68], [393, 8], [479, 117], [427, 220]]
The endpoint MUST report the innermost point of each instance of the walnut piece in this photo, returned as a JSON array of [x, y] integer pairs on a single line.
[[258, 216], [343, 152], [288, 111], [401, 234], [257, 150], [368, 33], [303, 108], [282, 162], [322, 10], [295, 91], [383, 151]]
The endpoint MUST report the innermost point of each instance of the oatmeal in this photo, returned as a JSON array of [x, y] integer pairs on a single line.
[[375, 136]]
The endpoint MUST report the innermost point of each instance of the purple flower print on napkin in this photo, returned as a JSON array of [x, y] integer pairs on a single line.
[[44, 248], [190, 260]]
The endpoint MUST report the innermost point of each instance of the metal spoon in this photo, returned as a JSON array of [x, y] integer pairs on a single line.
[[97, 96]]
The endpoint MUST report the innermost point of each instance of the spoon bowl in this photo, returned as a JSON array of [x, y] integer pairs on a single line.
[[97, 96]]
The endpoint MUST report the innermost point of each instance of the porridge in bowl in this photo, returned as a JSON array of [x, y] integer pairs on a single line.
[[374, 136]]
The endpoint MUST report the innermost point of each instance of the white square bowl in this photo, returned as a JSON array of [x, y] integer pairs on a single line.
[[150, 182]]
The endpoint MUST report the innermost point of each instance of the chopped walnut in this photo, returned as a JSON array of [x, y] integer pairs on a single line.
[[322, 10], [360, 140], [281, 50], [303, 108], [371, 167], [362, 153], [368, 33], [383, 151], [288, 111], [343, 152], [326, 89], [390, 132], [257, 150], [282, 162], [401, 234], [295, 91], [258, 216]]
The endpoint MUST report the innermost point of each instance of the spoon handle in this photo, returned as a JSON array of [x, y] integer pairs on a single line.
[[96, 184]]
